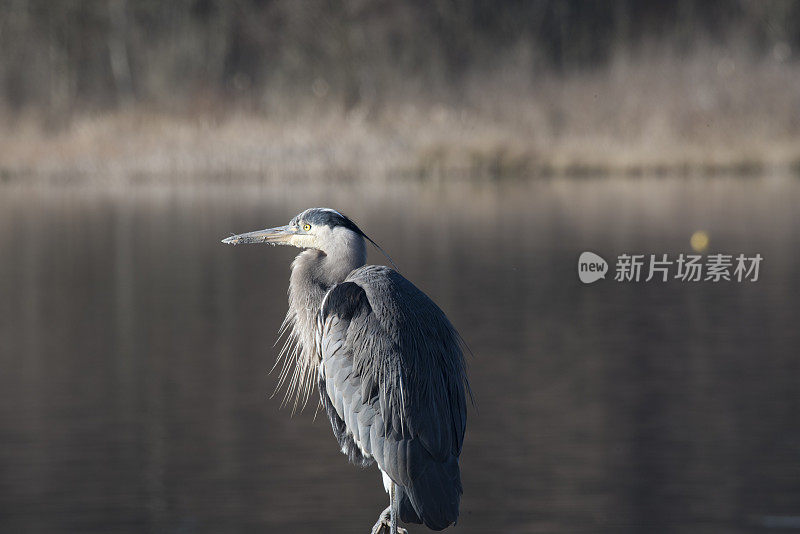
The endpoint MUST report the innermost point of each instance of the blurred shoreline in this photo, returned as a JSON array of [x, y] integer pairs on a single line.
[[204, 91], [712, 113]]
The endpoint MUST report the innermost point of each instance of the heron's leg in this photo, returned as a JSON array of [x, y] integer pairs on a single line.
[[393, 509], [387, 521]]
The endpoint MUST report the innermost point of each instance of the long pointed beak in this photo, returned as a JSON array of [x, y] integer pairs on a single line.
[[276, 236]]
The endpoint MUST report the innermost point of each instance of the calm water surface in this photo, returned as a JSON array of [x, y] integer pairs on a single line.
[[135, 350]]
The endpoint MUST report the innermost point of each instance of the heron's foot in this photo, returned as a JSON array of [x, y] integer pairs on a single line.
[[384, 524]]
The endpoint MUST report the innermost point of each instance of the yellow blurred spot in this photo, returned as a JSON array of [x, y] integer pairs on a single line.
[[699, 241]]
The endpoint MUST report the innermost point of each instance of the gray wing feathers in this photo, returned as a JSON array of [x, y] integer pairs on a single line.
[[341, 403], [393, 371]]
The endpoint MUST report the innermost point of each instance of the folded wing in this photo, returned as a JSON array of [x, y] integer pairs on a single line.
[[392, 381]]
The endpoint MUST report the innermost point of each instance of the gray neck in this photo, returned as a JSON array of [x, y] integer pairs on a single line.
[[314, 272]]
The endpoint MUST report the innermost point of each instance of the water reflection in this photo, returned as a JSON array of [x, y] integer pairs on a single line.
[[135, 351]]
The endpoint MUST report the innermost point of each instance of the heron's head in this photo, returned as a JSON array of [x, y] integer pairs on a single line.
[[323, 229]]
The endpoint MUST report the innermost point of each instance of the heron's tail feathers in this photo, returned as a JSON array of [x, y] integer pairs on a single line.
[[434, 496]]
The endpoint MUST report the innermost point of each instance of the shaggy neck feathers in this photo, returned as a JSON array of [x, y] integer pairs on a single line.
[[314, 272]]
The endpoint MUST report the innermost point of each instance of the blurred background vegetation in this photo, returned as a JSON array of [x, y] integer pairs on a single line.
[[253, 88]]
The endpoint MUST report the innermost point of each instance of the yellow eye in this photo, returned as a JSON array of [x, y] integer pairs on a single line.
[[306, 227]]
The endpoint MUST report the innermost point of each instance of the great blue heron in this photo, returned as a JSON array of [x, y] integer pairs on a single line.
[[387, 361]]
